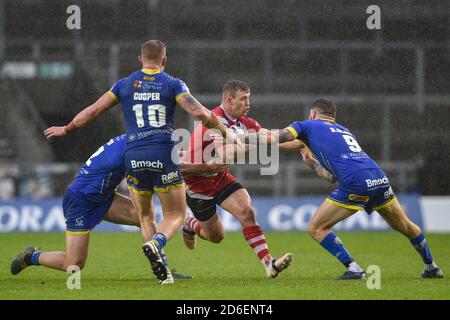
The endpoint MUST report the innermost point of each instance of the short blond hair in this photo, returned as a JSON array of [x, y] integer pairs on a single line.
[[232, 86], [153, 50]]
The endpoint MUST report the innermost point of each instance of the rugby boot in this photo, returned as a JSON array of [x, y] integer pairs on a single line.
[[153, 255], [19, 263], [275, 266]]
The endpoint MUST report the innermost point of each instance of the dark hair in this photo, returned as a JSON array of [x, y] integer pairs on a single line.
[[325, 107], [153, 50], [232, 86]]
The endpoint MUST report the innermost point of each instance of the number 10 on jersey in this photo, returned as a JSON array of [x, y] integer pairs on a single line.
[[156, 114]]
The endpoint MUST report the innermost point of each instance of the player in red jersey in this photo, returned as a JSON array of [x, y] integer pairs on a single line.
[[205, 192]]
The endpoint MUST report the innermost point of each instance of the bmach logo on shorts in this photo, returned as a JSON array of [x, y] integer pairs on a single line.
[[377, 182], [166, 178], [146, 164]]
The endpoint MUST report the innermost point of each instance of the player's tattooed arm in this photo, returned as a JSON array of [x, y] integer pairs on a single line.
[[324, 173], [190, 104], [284, 135], [269, 136], [316, 167], [193, 107], [291, 145], [196, 109]]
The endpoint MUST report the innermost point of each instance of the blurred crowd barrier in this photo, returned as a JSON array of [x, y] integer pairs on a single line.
[[39, 181], [292, 178], [272, 213]]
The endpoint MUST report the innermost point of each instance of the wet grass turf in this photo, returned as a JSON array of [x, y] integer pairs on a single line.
[[117, 269]]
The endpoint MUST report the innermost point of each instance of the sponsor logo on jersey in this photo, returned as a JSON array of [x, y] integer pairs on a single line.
[[79, 222], [132, 180], [171, 176], [389, 193], [356, 197], [145, 96], [146, 164], [151, 86], [149, 78], [377, 182], [145, 134]]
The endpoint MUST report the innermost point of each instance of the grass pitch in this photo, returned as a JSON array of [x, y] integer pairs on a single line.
[[116, 269]]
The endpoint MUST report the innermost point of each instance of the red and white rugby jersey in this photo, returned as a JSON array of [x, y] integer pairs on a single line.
[[206, 187]]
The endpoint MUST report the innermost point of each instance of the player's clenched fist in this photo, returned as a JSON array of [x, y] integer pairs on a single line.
[[55, 132]]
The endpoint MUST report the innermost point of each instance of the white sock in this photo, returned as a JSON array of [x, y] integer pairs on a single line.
[[354, 267], [267, 261], [431, 266]]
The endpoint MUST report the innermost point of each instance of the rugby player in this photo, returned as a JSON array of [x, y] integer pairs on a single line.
[[149, 97], [91, 198], [334, 154], [206, 192]]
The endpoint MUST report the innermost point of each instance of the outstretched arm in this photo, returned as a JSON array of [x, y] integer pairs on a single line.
[[287, 143], [293, 145], [269, 136], [86, 116], [209, 119], [309, 160]]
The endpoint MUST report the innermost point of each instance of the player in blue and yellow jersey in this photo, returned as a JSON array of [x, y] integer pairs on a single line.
[[149, 97], [91, 198], [334, 153]]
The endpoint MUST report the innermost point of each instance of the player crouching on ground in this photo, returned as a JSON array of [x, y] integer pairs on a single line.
[[90, 199]]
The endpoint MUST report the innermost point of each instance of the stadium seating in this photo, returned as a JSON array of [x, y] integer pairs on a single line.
[[313, 51]]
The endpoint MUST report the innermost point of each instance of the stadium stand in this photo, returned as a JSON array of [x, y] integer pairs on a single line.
[[398, 74]]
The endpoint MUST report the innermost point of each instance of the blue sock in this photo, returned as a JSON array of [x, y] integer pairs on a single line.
[[334, 245], [35, 258], [161, 240], [421, 246]]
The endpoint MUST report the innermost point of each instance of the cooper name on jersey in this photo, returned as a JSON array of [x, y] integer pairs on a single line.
[[146, 96]]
